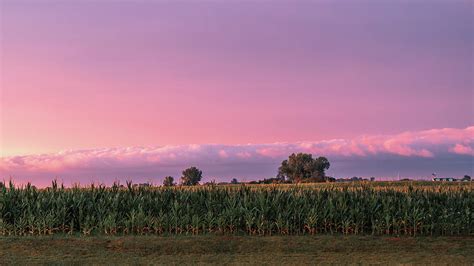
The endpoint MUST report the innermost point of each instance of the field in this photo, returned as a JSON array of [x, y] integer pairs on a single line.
[[366, 208], [365, 222], [230, 249]]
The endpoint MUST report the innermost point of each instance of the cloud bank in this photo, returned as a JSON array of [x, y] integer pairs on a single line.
[[447, 150]]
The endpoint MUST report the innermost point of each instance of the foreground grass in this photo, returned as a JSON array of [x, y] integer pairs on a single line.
[[214, 249]]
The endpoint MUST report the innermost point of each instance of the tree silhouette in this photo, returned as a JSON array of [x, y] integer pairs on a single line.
[[302, 166], [191, 176], [168, 181]]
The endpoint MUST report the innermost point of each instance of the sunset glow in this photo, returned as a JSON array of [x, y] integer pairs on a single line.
[[106, 90]]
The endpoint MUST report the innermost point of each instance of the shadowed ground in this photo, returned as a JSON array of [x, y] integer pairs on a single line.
[[236, 249]]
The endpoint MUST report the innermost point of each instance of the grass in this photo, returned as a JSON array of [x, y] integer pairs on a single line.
[[232, 249]]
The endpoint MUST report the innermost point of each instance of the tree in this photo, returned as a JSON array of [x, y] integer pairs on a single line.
[[234, 181], [322, 164], [168, 181], [466, 178], [302, 166], [191, 176]]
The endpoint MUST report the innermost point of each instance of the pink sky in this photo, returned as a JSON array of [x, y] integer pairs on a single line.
[[101, 74]]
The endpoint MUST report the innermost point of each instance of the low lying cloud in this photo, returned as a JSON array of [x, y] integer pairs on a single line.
[[463, 149], [248, 161]]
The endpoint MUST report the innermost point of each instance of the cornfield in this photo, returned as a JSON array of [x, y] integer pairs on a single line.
[[359, 208]]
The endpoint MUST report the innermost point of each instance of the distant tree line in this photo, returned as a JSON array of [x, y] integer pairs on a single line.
[[300, 167]]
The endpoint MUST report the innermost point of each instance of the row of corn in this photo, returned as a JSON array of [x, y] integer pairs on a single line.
[[253, 210]]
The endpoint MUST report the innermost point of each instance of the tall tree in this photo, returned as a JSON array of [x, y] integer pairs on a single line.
[[301, 166], [168, 181], [191, 176]]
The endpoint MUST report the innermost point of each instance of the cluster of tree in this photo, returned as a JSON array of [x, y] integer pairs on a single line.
[[302, 167], [190, 177]]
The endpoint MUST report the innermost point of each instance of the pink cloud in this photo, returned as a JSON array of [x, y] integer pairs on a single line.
[[463, 149], [223, 154], [244, 154], [275, 150]]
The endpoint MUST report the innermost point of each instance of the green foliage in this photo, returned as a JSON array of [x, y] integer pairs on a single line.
[[256, 210], [168, 181], [302, 166], [191, 176]]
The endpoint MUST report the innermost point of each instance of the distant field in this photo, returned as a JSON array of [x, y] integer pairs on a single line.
[[361, 208], [218, 249]]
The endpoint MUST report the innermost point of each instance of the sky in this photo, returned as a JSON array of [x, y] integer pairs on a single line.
[[99, 90]]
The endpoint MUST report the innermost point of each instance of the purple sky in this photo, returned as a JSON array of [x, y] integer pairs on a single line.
[[94, 75]]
